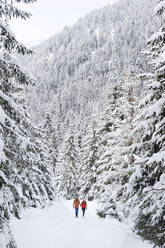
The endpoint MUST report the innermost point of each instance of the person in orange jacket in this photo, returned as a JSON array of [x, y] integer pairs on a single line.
[[83, 206], [76, 205]]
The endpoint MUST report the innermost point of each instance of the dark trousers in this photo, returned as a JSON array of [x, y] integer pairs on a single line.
[[83, 210], [76, 212]]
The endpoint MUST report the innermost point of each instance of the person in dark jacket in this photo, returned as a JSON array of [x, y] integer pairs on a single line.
[[83, 206]]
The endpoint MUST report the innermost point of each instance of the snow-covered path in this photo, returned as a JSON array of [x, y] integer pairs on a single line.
[[56, 227]]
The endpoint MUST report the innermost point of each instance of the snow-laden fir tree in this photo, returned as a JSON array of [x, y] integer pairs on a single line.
[[114, 144], [145, 191], [88, 158], [66, 169], [22, 179], [51, 140], [44, 176]]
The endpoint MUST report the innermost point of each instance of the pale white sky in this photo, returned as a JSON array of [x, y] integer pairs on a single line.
[[50, 16]]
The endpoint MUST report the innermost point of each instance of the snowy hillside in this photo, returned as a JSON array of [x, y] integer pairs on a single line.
[[75, 67]]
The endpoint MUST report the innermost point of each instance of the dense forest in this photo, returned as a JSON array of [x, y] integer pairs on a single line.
[[84, 114]]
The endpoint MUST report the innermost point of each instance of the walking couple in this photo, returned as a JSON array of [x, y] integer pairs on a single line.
[[76, 205]]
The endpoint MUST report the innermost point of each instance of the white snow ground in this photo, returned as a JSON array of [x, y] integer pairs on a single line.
[[57, 227]]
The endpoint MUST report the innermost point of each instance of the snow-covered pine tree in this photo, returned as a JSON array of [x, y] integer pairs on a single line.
[[106, 133], [115, 141], [66, 169], [51, 140], [43, 178], [145, 190], [88, 158], [22, 180]]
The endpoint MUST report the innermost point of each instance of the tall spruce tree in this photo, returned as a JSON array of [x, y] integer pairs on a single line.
[[114, 144], [22, 179], [145, 191], [88, 160], [66, 170], [51, 140]]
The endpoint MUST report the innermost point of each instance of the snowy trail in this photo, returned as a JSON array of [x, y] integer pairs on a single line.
[[56, 227]]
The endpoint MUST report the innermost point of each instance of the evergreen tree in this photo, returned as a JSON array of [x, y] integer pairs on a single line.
[[146, 185], [51, 140], [22, 179], [115, 140], [88, 158], [66, 171]]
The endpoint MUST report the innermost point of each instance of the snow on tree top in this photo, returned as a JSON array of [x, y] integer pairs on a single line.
[[156, 36], [159, 7]]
